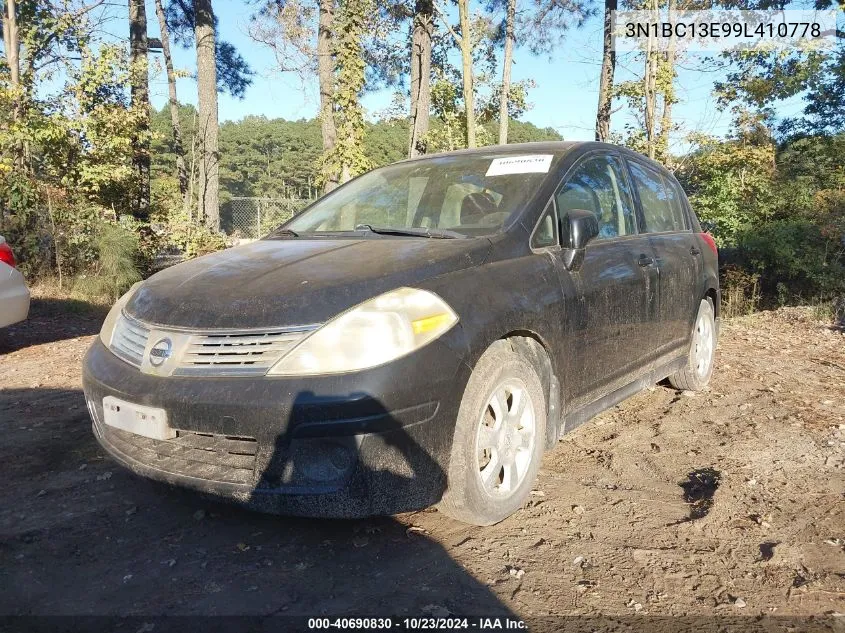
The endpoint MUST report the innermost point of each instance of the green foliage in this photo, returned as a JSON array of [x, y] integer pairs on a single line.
[[795, 261], [275, 158], [762, 80], [386, 142], [447, 104], [269, 158], [730, 183], [740, 291], [173, 229], [448, 131], [347, 158], [778, 212], [163, 158], [116, 269], [66, 152], [192, 238]]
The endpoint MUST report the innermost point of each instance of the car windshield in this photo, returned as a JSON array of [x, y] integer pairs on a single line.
[[471, 195]]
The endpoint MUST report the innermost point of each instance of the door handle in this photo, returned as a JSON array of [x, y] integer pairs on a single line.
[[694, 250], [645, 260]]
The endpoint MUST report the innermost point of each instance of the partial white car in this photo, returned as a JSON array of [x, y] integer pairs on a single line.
[[14, 295]]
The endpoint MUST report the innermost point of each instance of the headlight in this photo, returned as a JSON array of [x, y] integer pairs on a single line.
[[376, 332], [111, 318]]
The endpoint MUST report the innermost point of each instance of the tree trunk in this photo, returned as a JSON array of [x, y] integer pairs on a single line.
[[650, 98], [325, 72], [192, 171], [466, 72], [209, 164], [608, 67], [140, 96], [11, 40], [178, 148], [421, 75], [506, 73], [12, 46], [669, 89], [650, 88], [55, 237]]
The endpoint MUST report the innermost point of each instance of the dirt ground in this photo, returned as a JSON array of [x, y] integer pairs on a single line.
[[729, 502]]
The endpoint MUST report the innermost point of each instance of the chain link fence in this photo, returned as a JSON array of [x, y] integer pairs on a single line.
[[251, 218]]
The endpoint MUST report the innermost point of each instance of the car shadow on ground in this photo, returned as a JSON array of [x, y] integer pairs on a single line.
[[81, 535], [52, 320]]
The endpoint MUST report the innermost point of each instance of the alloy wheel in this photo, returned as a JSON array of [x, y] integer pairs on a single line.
[[703, 344], [505, 438]]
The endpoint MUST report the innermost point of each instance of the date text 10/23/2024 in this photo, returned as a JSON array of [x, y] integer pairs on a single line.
[[418, 624]]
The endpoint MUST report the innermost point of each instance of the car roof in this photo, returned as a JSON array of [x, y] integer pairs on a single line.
[[556, 147]]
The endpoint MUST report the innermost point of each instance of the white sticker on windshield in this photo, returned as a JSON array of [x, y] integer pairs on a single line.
[[528, 164]]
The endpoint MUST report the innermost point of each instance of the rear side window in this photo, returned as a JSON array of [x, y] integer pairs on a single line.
[[598, 185], [662, 207], [676, 202]]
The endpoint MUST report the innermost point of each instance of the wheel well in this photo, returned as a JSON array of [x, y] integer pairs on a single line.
[[714, 301], [533, 348]]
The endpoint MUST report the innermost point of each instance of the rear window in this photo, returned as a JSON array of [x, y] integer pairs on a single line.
[[660, 199]]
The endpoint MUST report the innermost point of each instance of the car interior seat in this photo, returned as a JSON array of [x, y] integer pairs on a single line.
[[476, 206]]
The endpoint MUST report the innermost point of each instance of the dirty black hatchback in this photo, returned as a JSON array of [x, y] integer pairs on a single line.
[[419, 336]]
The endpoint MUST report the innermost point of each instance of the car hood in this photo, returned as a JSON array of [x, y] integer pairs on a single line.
[[289, 282]]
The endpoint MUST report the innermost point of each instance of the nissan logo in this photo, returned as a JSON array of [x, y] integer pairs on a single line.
[[160, 352]]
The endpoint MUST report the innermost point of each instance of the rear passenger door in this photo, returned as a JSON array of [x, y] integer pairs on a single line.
[[613, 284], [664, 219]]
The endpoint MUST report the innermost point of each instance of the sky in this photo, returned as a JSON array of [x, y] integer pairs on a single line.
[[565, 96]]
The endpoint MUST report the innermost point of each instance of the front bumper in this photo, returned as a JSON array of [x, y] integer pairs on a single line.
[[353, 445]]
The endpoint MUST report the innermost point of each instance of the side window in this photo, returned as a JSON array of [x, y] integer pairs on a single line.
[[598, 185], [662, 210], [675, 196], [545, 234]]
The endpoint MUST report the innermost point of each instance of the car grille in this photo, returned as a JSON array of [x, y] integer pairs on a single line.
[[239, 354], [211, 352], [224, 458]]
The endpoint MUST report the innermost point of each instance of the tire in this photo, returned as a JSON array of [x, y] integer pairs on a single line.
[[499, 435], [695, 376]]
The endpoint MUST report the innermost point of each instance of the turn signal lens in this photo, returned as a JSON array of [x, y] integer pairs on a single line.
[[432, 323]]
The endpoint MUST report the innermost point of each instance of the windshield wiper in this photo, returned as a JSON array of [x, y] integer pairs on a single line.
[[439, 234], [283, 232]]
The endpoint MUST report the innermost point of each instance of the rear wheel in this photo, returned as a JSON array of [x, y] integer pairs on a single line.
[[696, 374], [499, 438]]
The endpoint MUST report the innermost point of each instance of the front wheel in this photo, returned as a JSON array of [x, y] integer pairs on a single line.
[[696, 374], [499, 438]]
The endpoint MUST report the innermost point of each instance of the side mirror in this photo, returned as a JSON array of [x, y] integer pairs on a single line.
[[583, 226], [578, 228]]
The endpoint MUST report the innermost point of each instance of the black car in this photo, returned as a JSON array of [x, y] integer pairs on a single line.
[[419, 336]]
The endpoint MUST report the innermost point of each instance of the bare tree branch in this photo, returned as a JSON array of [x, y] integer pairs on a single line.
[[448, 26]]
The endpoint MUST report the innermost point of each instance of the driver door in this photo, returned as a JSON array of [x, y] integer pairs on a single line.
[[614, 285]]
